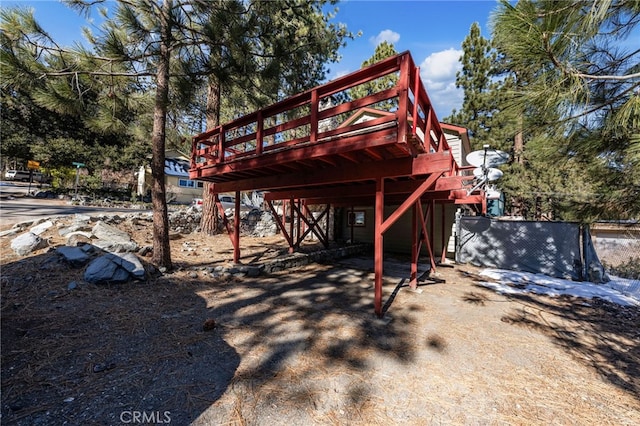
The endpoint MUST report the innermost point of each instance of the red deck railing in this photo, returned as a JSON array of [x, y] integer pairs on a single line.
[[311, 118]]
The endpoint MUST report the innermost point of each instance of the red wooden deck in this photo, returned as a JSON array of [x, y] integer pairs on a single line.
[[311, 147]]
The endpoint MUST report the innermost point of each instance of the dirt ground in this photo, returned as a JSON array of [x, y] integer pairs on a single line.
[[303, 347]]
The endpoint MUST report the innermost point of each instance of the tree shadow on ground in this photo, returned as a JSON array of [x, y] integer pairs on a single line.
[[96, 353], [99, 354], [307, 336], [602, 335]]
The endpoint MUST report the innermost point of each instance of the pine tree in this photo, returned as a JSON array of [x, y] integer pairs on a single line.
[[533, 189], [383, 50], [479, 104], [164, 47], [577, 83], [267, 52], [42, 114]]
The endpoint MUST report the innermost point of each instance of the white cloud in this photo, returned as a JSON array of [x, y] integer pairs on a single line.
[[385, 35], [438, 73]]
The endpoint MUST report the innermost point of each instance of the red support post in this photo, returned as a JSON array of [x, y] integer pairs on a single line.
[[292, 248], [234, 235], [432, 223], [279, 222], [298, 224], [443, 257], [413, 280], [378, 258], [326, 229], [236, 229]]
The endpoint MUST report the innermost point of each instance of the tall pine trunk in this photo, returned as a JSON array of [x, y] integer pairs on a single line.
[[161, 248], [518, 144], [209, 222]]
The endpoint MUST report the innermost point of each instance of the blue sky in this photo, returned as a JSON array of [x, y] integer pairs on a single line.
[[432, 30]]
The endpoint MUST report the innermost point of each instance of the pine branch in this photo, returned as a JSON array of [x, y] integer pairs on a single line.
[[96, 73], [607, 77]]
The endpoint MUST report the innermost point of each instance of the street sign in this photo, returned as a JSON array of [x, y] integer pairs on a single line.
[[78, 165], [33, 165]]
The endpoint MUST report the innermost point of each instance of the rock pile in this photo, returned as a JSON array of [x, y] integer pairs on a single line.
[[254, 223], [110, 255], [185, 221], [106, 250], [257, 223]]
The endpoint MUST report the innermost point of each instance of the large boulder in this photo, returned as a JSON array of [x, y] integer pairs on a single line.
[[114, 268], [41, 227], [78, 238], [75, 256], [28, 242], [112, 239]]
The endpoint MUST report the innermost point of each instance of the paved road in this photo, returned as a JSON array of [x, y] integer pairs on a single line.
[[16, 207]]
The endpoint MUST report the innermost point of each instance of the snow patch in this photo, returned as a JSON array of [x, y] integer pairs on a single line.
[[618, 290]]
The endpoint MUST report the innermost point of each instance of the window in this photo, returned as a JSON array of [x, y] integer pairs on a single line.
[[186, 183], [357, 218]]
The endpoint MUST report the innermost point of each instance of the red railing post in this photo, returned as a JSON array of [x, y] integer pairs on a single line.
[[259, 129], [221, 144], [314, 116], [416, 99], [403, 98]]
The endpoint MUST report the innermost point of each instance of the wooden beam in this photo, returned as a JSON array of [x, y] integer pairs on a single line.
[[297, 152], [413, 277], [425, 164], [281, 224], [350, 156], [453, 182], [373, 154], [347, 191], [415, 196], [426, 237]]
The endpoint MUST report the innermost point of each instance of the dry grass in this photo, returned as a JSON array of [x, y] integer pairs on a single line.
[[304, 348]]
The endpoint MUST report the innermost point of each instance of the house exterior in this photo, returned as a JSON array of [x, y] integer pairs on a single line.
[[398, 238], [400, 160], [458, 140], [357, 223], [179, 188]]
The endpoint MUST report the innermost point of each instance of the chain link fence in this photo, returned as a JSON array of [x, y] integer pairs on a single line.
[[618, 247]]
